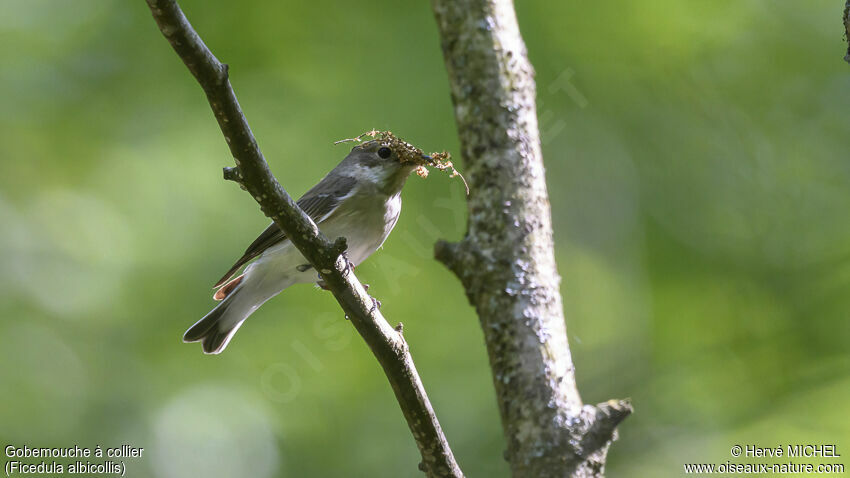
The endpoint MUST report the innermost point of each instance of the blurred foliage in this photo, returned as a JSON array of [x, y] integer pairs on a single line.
[[697, 157]]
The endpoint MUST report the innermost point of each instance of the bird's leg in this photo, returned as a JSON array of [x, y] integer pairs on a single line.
[[349, 267]]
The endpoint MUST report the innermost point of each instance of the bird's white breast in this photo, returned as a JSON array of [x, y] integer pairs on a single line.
[[366, 221]]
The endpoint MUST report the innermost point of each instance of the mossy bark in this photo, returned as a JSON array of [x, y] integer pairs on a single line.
[[506, 261]]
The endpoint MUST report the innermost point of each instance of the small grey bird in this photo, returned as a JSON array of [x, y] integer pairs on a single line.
[[360, 199]]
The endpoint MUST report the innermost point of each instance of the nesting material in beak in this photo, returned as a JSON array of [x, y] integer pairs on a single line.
[[407, 153]]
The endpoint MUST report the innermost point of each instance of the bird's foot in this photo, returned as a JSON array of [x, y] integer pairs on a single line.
[[376, 304], [349, 266]]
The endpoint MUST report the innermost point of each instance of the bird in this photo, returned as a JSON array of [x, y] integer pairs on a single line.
[[359, 199]]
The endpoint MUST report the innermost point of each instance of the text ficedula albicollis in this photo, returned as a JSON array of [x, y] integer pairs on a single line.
[[360, 200]]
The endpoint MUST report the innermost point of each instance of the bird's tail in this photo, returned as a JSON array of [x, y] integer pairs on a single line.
[[216, 329]]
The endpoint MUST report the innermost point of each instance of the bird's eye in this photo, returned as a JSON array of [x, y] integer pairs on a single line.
[[385, 152]]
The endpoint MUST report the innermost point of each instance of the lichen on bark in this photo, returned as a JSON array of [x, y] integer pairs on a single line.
[[506, 260]]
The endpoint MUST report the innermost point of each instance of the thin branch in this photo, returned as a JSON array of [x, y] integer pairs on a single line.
[[847, 29], [506, 262], [253, 173]]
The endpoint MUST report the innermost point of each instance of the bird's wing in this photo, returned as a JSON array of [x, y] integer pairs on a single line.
[[319, 203]]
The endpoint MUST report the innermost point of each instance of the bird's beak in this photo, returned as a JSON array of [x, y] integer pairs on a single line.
[[428, 159]]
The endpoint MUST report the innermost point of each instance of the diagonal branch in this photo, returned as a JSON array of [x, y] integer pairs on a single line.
[[253, 173]]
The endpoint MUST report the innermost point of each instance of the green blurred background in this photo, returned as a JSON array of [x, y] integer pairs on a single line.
[[697, 158]]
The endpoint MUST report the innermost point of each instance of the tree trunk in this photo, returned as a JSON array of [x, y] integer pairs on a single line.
[[506, 262]]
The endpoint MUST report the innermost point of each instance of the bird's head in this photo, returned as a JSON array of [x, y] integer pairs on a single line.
[[385, 163]]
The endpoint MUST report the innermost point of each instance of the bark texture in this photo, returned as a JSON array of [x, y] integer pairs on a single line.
[[506, 260], [253, 173], [847, 29]]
